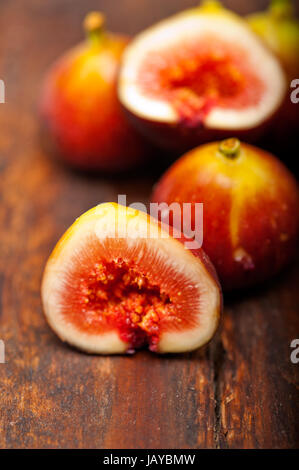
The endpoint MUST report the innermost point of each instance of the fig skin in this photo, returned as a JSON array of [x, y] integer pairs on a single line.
[[250, 209], [192, 267], [179, 137], [279, 30], [82, 121]]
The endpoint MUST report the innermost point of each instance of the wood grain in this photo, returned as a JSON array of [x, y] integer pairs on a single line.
[[241, 391]]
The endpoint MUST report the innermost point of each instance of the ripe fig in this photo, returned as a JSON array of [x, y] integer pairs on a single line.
[[118, 281], [80, 111], [279, 28], [198, 76], [250, 208]]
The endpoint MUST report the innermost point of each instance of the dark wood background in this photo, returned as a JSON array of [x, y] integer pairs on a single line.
[[241, 391]]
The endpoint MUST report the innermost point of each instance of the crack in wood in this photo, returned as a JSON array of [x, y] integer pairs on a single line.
[[217, 355]]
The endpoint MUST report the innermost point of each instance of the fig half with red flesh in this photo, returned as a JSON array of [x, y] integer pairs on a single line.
[[200, 75], [117, 281]]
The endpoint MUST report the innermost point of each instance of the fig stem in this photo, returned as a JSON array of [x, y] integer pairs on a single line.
[[230, 147], [94, 25], [210, 5]]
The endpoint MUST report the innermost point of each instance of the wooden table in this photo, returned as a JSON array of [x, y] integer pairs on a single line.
[[241, 391]]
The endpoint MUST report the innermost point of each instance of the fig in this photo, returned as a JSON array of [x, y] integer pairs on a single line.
[[250, 208], [81, 115], [198, 76], [279, 28], [118, 281]]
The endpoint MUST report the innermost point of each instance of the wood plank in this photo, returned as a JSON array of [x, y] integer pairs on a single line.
[[257, 383]]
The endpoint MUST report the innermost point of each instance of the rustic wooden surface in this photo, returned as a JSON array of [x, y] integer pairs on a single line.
[[241, 391]]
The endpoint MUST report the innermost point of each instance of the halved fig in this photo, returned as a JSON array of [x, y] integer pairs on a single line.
[[198, 76], [117, 281]]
